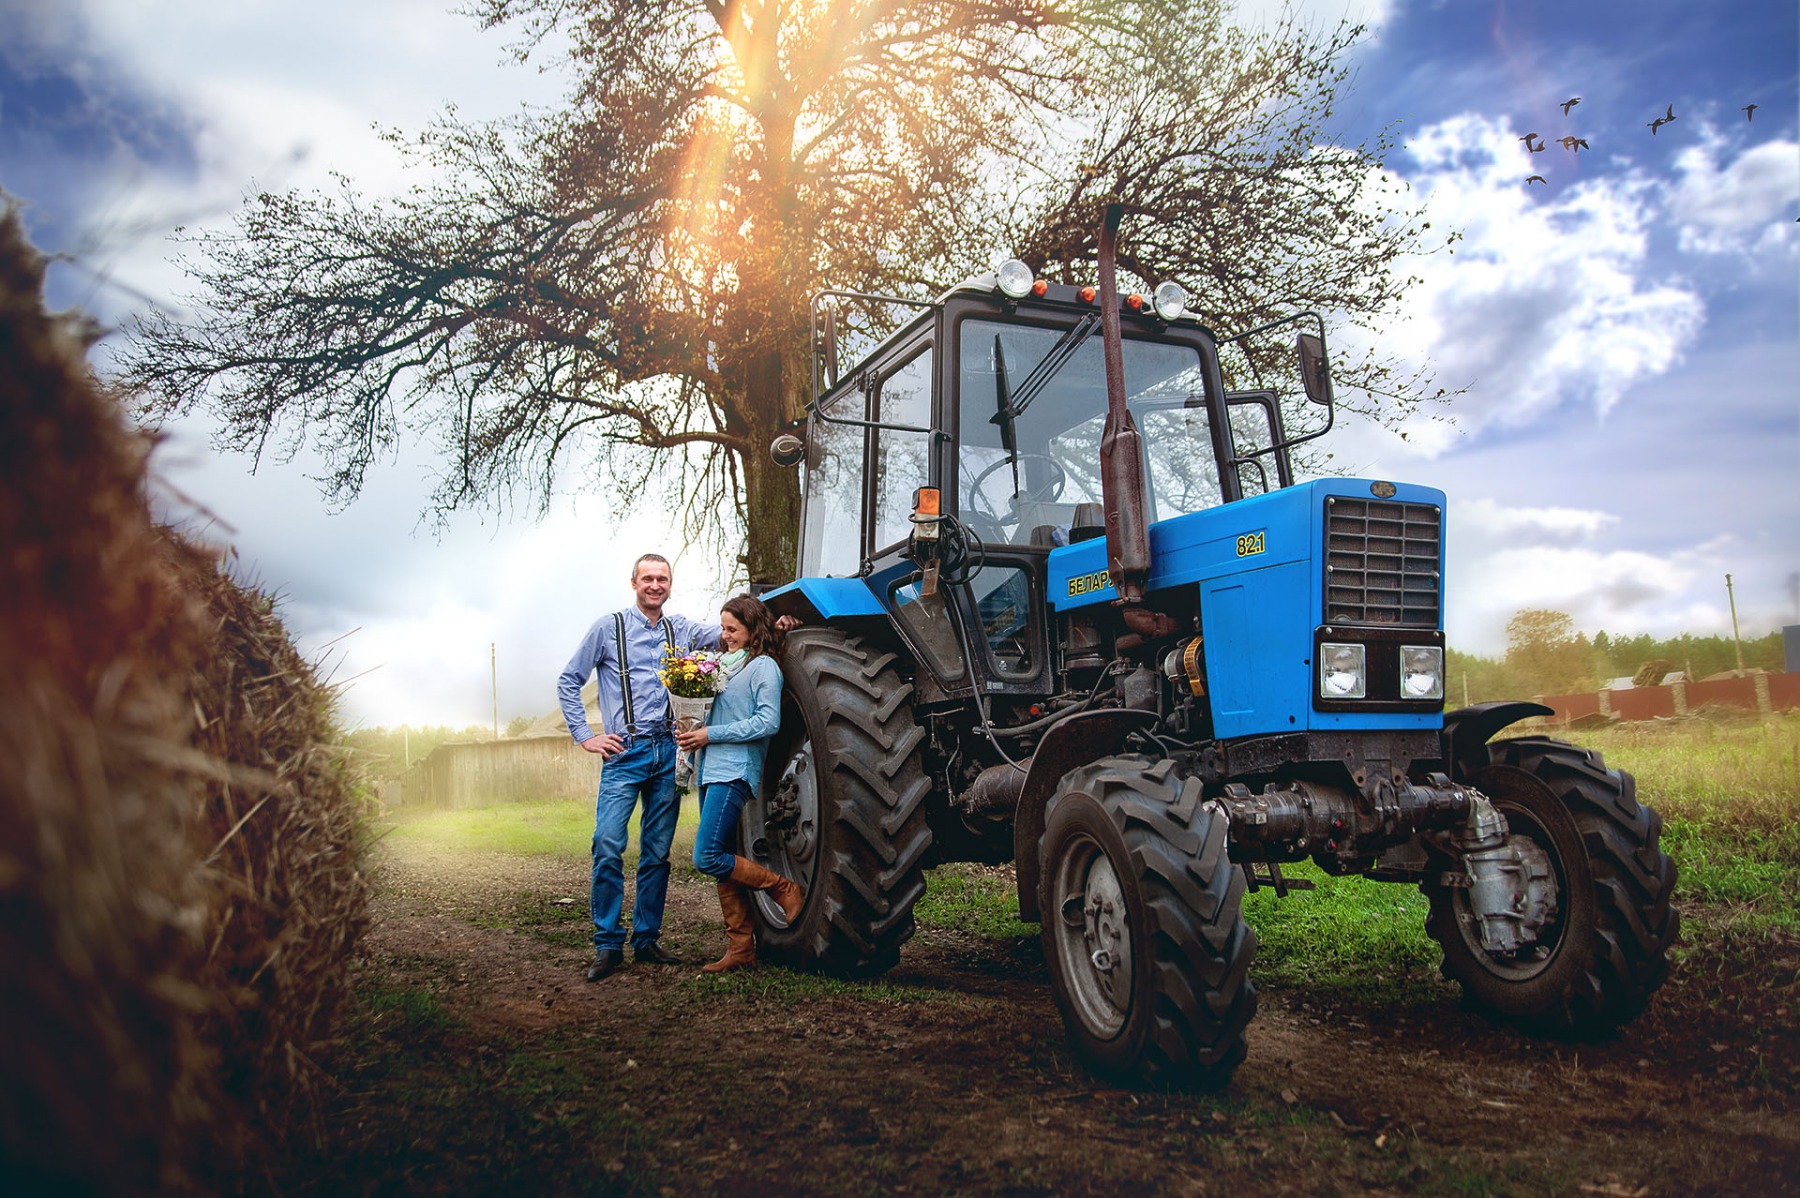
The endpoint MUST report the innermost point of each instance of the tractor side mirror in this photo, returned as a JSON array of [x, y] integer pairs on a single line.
[[787, 449], [1315, 371]]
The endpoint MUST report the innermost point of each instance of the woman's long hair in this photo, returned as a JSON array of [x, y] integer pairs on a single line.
[[759, 624]]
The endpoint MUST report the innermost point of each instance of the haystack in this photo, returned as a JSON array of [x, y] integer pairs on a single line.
[[179, 887]]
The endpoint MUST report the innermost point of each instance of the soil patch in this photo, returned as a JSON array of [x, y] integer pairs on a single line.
[[482, 1061]]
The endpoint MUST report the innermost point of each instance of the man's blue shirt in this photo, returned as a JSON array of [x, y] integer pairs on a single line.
[[643, 654]]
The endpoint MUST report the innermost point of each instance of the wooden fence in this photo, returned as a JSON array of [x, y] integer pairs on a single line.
[[515, 770], [1755, 692]]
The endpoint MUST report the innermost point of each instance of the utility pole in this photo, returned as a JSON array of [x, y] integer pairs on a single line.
[[494, 680], [1736, 643]]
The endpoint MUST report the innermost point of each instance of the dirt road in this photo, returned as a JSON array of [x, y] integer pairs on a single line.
[[484, 1063]]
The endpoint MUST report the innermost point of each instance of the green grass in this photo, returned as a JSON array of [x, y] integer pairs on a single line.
[[552, 828], [1729, 795], [1352, 937], [787, 988], [542, 917], [976, 899], [1739, 775], [557, 828]]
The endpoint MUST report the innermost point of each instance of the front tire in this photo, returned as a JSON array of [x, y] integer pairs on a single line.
[[1605, 951], [1143, 926], [841, 809]]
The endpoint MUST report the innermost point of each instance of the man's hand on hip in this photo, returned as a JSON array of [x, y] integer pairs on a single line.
[[607, 744]]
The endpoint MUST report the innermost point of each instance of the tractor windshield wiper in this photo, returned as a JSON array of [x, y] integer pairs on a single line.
[[1008, 407], [1005, 414]]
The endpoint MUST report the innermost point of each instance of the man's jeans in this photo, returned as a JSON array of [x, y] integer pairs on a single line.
[[646, 769]]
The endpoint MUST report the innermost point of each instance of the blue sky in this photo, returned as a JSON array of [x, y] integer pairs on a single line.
[[1626, 334]]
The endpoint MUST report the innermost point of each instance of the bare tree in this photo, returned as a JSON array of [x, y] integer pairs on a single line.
[[618, 289]]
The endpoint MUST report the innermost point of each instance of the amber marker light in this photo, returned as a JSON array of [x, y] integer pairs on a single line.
[[1039, 287], [1135, 302], [1087, 295]]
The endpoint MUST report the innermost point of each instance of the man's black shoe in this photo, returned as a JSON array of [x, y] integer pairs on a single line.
[[655, 954], [606, 960]]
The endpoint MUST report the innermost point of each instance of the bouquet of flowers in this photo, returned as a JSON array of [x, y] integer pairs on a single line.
[[693, 677]]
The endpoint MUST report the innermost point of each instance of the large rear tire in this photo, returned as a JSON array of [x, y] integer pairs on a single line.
[[1605, 951], [841, 809], [1143, 926]]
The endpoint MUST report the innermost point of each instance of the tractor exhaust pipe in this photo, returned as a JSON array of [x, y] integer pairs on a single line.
[[1121, 447]]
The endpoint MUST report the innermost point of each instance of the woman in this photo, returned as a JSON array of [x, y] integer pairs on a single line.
[[744, 717]]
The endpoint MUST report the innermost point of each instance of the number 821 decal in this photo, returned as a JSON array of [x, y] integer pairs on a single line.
[[1250, 543]]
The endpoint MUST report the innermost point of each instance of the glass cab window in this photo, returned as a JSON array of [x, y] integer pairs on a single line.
[[1003, 603], [902, 456], [1019, 479], [831, 536]]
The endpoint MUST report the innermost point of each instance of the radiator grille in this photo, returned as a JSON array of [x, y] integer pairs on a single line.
[[1381, 562]]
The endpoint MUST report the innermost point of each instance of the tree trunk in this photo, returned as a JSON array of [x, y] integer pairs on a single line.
[[773, 398]]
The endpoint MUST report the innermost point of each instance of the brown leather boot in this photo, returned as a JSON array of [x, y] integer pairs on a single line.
[[740, 933], [789, 894]]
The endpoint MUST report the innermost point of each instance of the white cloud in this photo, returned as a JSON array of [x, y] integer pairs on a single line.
[[269, 95], [1314, 13], [1496, 574], [1549, 296], [1534, 525], [1744, 206], [411, 617]]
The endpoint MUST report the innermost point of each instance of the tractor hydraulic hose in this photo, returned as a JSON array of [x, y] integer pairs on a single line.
[[1046, 721]]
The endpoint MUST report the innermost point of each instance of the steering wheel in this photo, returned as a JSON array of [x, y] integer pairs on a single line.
[[1048, 492]]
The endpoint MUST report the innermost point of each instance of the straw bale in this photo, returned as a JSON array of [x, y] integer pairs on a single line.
[[287, 899], [102, 1071], [180, 881]]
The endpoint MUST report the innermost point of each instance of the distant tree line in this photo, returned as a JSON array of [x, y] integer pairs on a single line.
[[1547, 655]]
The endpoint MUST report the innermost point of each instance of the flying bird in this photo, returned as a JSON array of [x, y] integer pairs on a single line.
[[1660, 121], [1570, 103], [1750, 111], [1536, 179], [1572, 143], [1527, 140]]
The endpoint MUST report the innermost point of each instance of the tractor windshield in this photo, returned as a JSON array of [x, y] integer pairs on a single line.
[[1033, 404]]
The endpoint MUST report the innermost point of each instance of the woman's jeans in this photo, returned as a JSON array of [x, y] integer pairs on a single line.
[[720, 805], [646, 770]]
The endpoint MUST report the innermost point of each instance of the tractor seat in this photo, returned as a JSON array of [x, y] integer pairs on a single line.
[[1089, 522]]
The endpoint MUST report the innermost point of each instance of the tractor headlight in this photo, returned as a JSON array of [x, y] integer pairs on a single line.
[[1015, 278], [1421, 672], [1170, 300], [1342, 672]]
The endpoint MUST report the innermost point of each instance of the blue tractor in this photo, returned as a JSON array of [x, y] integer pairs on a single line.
[[1062, 603]]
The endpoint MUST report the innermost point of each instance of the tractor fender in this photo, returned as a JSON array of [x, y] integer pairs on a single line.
[[1467, 729], [1083, 737]]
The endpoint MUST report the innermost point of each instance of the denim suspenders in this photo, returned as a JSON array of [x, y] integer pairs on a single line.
[[668, 630]]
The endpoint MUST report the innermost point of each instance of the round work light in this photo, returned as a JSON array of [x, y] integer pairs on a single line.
[[1015, 278], [1171, 300]]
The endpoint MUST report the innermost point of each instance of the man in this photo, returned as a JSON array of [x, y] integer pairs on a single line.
[[625, 650]]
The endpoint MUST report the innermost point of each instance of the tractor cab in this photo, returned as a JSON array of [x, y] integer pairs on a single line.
[[997, 404]]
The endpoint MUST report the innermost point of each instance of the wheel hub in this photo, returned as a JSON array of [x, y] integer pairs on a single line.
[[1095, 939], [784, 834]]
